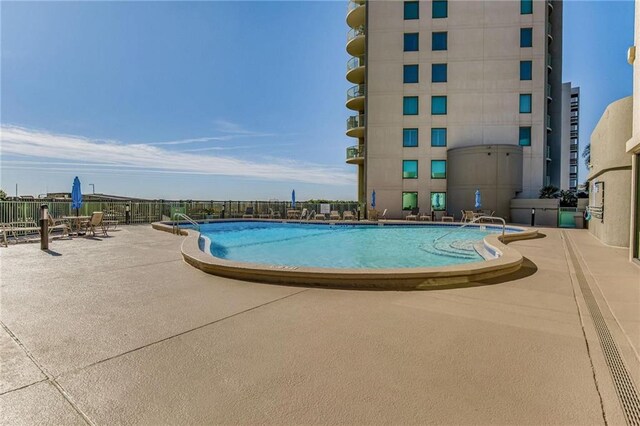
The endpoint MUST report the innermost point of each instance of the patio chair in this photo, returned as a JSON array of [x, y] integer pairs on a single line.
[[274, 215], [413, 215], [265, 215], [335, 215], [96, 222], [319, 216], [55, 225], [425, 217], [348, 215], [446, 218], [467, 215], [248, 213]]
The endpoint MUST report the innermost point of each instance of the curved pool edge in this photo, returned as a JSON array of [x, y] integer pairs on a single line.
[[461, 275]]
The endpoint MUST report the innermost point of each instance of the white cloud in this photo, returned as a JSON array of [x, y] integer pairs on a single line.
[[72, 151]]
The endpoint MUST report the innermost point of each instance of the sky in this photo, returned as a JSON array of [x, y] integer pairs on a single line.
[[216, 100]]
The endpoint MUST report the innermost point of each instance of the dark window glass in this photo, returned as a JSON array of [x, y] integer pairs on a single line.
[[438, 137], [439, 9], [438, 201], [409, 137], [525, 136], [525, 70], [439, 41], [438, 169], [410, 73], [526, 37], [438, 73], [526, 7], [410, 105], [409, 200], [438, 105], [411, 10], [525, 103], [410, 169], [411, 43]]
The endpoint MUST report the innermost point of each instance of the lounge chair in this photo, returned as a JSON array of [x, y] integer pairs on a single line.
[[467, 215], [383, 216], [303, 214], [426, 217], [58, 225], [348, 215], [274, 215], [413, 215], [335, 215], [96, 222], [446, 218], [319, 216], [248, 213], [16, 228], [265, 215]]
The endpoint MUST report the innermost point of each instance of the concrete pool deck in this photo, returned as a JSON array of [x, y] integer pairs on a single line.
[[122, 330]]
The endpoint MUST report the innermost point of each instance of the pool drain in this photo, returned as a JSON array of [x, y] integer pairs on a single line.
[[625, 388]]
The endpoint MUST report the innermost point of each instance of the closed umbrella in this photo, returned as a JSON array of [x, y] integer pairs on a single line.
[[437, 203], [478, 200], [76, 195], [293, 199], [373, 199]]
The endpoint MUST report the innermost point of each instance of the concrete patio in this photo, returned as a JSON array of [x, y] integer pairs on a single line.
[[120, 330]]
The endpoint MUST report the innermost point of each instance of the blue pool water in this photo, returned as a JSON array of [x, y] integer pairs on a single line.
[[339, 246]]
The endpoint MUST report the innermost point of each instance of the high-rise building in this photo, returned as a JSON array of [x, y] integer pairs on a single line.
[[570, 126], [451, 97]]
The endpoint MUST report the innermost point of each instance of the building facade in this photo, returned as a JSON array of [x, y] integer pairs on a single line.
[[633, 144], [569, 153], [439, 77]]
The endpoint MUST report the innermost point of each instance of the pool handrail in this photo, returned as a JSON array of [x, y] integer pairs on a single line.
[[176, 225], [476, 220]]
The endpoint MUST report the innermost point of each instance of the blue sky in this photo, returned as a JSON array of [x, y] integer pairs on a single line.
[[215, 100]]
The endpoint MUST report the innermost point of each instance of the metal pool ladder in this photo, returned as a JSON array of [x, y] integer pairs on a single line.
[[176, 225], [476, 220]]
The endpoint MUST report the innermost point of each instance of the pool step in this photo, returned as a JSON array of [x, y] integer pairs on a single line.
[[460, 249]]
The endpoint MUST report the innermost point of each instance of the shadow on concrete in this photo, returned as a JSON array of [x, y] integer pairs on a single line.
[[52, 253], [527, 269]]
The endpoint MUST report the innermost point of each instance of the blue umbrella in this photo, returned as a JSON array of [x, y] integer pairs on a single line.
[[293, 199], [478, 199], [373, 199], [437, 203], [76, 195]]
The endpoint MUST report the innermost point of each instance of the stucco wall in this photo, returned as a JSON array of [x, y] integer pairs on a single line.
[[496, 170], [546, 211], [612, 165]]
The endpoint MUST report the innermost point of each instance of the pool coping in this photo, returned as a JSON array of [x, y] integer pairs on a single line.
[[509, 261]]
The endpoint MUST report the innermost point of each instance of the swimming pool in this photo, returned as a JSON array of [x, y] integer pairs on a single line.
[[342, 246]]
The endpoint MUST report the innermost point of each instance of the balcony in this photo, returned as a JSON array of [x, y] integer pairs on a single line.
[[356, 69], [548, 153], [355, 41], [549, 28], [550, 4], [355, 126], [549, 62], [548, 123], [356, 13], [355, 97], [549, 92], [355, 154]]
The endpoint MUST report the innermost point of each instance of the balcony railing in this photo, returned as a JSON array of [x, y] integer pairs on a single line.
[[355, 62], [548, 91], [548, 122], [353, 4], [550, 4], [356, 151], [549, 64], [355, 32], [356, 91], [355, 121], [549, 28], [548, 153]]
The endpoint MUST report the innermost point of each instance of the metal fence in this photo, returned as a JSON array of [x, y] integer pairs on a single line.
[[153, 211]]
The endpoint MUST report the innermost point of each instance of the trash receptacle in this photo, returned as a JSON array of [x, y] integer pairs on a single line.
[[579, 219]]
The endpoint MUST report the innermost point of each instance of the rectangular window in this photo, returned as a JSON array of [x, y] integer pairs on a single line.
[[439, 9], [411, 10], [526, 37], [438, 169], [409, 200], [410, 105], [438, 137], [411, 42], [410, 137], [525, 136], [573, 169], [410, 169], [411, 73], [438, 105], [438, 73], [525, 70], [525, 103], [526, 7], [439, 41], [438, 201]]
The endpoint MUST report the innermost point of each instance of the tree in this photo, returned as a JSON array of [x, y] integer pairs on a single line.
[[3, 194], [549, 191], [586, 154], [568, 199]]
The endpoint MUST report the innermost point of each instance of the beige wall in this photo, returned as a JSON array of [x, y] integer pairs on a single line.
[[496, 170], [611, 165], [633, 145], [483, 90], [546, 211]]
